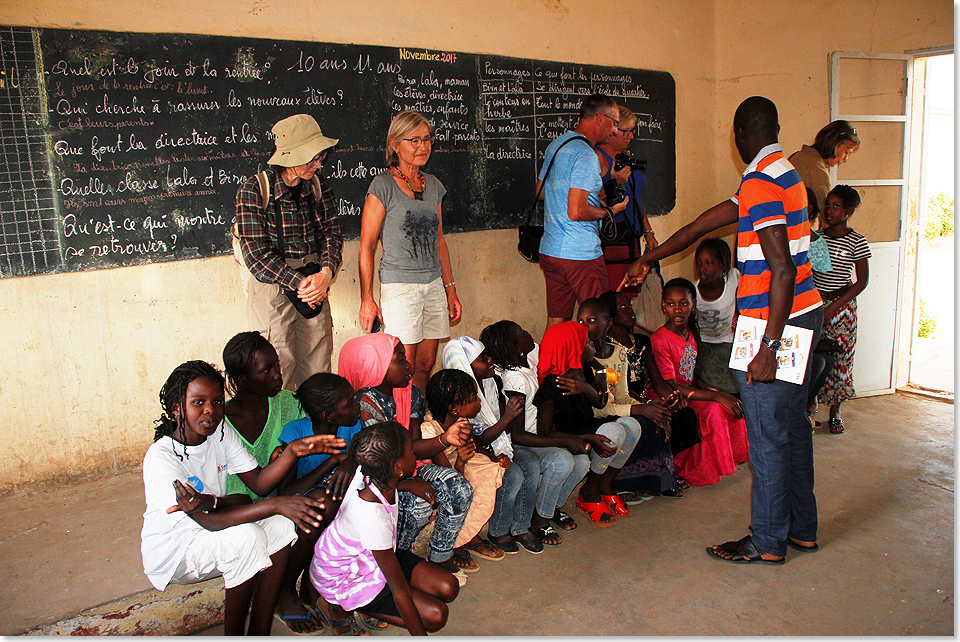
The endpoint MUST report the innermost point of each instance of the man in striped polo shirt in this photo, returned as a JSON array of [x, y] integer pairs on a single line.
[[773, 237]]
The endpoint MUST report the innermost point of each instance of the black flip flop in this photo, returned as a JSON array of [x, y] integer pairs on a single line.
[[743, 552]]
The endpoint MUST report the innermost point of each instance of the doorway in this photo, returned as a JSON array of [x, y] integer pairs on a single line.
[[932, 337]]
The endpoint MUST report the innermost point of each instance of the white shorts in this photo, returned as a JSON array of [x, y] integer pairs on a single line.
[[237, 553], [413, 312]]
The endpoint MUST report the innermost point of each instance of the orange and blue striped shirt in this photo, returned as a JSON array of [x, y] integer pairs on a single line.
[[772, 193]]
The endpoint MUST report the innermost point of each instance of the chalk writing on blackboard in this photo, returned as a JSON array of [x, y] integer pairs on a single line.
[[134, 145]]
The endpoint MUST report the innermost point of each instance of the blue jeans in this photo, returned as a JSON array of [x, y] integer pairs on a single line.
[[453, 496], [516, 495], [781, 454], [562, 471]]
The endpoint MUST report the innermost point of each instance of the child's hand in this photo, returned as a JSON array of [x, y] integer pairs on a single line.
[[276, 453], [515, 407], [676, 400], [656, 411], [731, 403], [188, 499], [418, 487], [572, 385], [305, 512], [465, 452], [601, 445], [504, 461], [341, 478], [317, 445], [458, 433]]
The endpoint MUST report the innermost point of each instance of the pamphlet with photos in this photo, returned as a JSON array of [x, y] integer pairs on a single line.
[[791, 358]]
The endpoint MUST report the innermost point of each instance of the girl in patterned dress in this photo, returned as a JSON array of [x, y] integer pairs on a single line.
[[848, 250]]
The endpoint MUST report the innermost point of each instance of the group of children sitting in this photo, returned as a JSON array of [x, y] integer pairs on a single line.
[[328, 487]]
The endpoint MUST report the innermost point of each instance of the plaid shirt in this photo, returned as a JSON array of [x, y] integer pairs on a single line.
[[258, 230]]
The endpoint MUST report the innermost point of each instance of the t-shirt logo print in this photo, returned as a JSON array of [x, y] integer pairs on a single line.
[[422, 234]]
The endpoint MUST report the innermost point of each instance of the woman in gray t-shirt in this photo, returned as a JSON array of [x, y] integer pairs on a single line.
[[418, 296]]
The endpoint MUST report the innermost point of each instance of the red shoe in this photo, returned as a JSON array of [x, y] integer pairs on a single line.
[[616, 505], [594, 511]]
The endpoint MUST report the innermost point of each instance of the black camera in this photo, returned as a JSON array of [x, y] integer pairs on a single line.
[[614, 192], [623, 159]]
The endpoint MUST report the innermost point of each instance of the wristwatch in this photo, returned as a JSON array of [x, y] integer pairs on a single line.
[[773, 344]]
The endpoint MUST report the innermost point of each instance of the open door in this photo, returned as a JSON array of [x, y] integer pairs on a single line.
[[874, 92]]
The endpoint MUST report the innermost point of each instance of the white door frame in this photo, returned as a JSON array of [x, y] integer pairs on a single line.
[[904, 119]]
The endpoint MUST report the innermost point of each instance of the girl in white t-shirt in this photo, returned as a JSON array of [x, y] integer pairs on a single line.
[[515, 357], [356, 565], [716, 313], [193, 530]]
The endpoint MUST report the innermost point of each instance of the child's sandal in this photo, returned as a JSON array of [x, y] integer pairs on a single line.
[[836, 426]]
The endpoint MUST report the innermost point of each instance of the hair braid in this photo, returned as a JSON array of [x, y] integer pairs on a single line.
[[376, 450]]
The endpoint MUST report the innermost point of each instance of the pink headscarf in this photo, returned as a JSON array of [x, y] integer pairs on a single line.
[[364, 362]]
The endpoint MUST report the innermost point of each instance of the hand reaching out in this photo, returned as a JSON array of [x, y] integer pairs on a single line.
[[317, 445]]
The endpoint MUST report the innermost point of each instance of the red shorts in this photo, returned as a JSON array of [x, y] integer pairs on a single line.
[[571, 282]]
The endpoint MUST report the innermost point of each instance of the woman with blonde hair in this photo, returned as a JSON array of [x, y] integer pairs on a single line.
[[832, 146], [418, 296]]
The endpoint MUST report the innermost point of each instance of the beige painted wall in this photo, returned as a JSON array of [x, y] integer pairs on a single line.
[[99, 344]]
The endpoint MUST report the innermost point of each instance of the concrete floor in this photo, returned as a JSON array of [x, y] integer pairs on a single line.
[[886, 564]]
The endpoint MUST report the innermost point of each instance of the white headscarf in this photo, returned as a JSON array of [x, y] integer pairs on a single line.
[[458, 354]]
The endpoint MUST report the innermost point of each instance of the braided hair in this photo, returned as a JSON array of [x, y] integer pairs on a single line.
[[321, 392], [173, 395], [446, 389], [376, 450], [720, 249], [238, 354], [684, 284], [498, 340]]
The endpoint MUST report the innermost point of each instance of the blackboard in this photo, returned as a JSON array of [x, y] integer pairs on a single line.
[[124, 148]]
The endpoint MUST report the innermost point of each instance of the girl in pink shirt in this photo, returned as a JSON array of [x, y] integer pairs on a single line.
[[356, 565]]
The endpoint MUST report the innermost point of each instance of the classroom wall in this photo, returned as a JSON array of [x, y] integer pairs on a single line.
[[86, 353]]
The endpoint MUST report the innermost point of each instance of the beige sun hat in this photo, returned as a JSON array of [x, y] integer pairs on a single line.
[[298, 140]]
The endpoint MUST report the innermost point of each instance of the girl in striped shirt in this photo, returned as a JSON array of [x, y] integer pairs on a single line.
[[848, 250], [356, 565]]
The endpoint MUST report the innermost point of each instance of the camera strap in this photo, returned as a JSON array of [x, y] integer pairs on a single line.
[[546, 174]]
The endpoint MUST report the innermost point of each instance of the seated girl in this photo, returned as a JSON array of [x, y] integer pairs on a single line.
[[716, 290], [192, 530], [643, 375], [723, 433], [257, 411], [377, 368], [571, 386], [651, 458], [332, 409], [452, 399], [357, 564], [513, 506], [514, 355]]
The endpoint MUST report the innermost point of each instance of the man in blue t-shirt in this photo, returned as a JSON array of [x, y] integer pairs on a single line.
[[570, 255]]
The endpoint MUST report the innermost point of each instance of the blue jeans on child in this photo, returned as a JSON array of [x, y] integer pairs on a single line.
[[562, 471], [781, 454], [453, 496], [513, 509]]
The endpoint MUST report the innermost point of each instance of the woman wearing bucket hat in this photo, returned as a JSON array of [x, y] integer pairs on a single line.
[[418, 296], [290, 240]]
